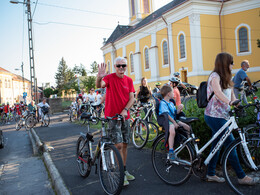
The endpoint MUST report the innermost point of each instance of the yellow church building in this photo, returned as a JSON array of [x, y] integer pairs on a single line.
[[185, 36]]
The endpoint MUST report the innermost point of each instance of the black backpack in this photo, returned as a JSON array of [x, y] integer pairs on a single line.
[[202, 100]]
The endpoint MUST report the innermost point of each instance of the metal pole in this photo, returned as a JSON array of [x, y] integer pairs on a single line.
[[23, 77], [31, 52]]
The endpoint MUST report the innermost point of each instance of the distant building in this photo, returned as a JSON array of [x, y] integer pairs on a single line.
[[11, 87], [185, 36]]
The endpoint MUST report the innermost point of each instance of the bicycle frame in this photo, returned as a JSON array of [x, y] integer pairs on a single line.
[[151, 109], [231, 124]]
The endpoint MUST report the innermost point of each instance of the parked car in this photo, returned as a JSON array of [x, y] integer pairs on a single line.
[[1, 139], [191, 89]]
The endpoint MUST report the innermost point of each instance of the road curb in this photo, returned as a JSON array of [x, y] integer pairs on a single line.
[[56, 179]]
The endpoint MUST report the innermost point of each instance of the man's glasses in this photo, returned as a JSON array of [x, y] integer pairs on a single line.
[[121, 65]]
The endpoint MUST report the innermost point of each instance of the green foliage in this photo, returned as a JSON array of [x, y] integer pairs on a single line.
[[94, 67], [48, 92], [89, 82], [80, 70], [200, 128]]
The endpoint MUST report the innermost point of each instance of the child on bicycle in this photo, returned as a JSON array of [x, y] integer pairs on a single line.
[[166, 106]]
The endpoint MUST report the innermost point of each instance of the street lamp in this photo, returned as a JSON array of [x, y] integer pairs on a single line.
[[31, 50]]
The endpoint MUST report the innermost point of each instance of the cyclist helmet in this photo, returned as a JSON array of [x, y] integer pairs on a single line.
[[176, 74], [174, 80], [158, 83]]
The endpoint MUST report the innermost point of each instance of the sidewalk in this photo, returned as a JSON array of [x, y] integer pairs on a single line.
[[20, 171]]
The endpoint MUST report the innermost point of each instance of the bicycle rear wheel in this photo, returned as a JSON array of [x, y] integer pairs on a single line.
[[230, 174], [173, 173], [140, 134], [112, 174], [153, 131], [83, 157]]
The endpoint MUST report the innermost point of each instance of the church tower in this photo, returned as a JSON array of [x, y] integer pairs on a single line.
[[139, 9]]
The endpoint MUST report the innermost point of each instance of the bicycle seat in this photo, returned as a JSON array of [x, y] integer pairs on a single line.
[[86, 115], [188, 119]]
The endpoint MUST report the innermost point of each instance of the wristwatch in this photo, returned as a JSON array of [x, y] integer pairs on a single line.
[[126, 109]]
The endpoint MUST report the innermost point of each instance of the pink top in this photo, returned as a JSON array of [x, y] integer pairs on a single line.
[[217, 108], [177, 96]]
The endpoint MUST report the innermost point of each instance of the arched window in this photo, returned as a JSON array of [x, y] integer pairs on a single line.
[[243, 40], [132, 63], [165, 53], [133, 7], [182, 46], [146, 56], [146, 6]]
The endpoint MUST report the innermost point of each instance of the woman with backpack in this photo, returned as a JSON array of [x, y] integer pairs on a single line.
[[217, 113]]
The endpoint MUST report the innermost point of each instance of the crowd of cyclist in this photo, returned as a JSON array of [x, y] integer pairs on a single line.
[[20, 110]]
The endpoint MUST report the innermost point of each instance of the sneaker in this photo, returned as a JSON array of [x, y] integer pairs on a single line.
[[248, 181], [128, 176], [171, 156], [126, 182], [215, 179]]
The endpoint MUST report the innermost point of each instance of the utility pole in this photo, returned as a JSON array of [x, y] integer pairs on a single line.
[[31, 53]]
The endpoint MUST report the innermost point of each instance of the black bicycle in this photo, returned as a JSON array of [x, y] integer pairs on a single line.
[[109, 161]]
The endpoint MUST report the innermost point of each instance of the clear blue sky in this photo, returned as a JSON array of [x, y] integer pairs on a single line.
[[75, 33]]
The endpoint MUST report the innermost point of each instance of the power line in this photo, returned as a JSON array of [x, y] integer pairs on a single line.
[[34, 8], [81, 10], [114, 15], [148, 33]]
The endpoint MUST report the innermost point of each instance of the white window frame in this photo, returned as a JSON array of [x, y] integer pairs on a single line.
[[249, 52], [148, 69], [178, 45], [130, 65], [162, 55]]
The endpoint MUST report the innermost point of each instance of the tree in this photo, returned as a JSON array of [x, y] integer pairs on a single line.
[[63, 75], [48, 92], [89, 82], [80, 70], [94, 67]]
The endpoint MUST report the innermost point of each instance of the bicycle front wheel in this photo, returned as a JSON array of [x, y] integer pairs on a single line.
[[46, 120], [173, 173], [95, 119], [153, 131], [230, 175], [30, 122], [18, 125], [140, 134], [83, 157], [111, 170]]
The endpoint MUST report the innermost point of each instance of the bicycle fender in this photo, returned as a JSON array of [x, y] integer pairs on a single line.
[[83, 135]]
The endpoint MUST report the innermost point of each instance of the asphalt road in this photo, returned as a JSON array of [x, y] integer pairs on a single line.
[[62, 136]]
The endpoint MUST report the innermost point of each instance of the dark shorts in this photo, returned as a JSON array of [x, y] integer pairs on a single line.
[[119, 134]]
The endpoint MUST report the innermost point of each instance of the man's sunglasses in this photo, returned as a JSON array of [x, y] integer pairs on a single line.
[[121, 65]]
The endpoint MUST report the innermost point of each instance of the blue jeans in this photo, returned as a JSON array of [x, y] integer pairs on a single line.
[[215, 124]]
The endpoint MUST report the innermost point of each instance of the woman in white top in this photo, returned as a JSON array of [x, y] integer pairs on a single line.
[[91, 96], [217, 114]]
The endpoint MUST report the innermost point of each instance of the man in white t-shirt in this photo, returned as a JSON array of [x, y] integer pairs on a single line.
[[42, 104]]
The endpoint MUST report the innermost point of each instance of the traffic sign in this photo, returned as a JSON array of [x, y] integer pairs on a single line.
[[24, 94]]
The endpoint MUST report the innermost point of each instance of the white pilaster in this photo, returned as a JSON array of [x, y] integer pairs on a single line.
[[137, 62], [153, 57], [196, 47], [171, 50]]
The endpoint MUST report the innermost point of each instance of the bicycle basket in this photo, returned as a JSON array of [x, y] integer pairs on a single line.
[[45, 110]]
